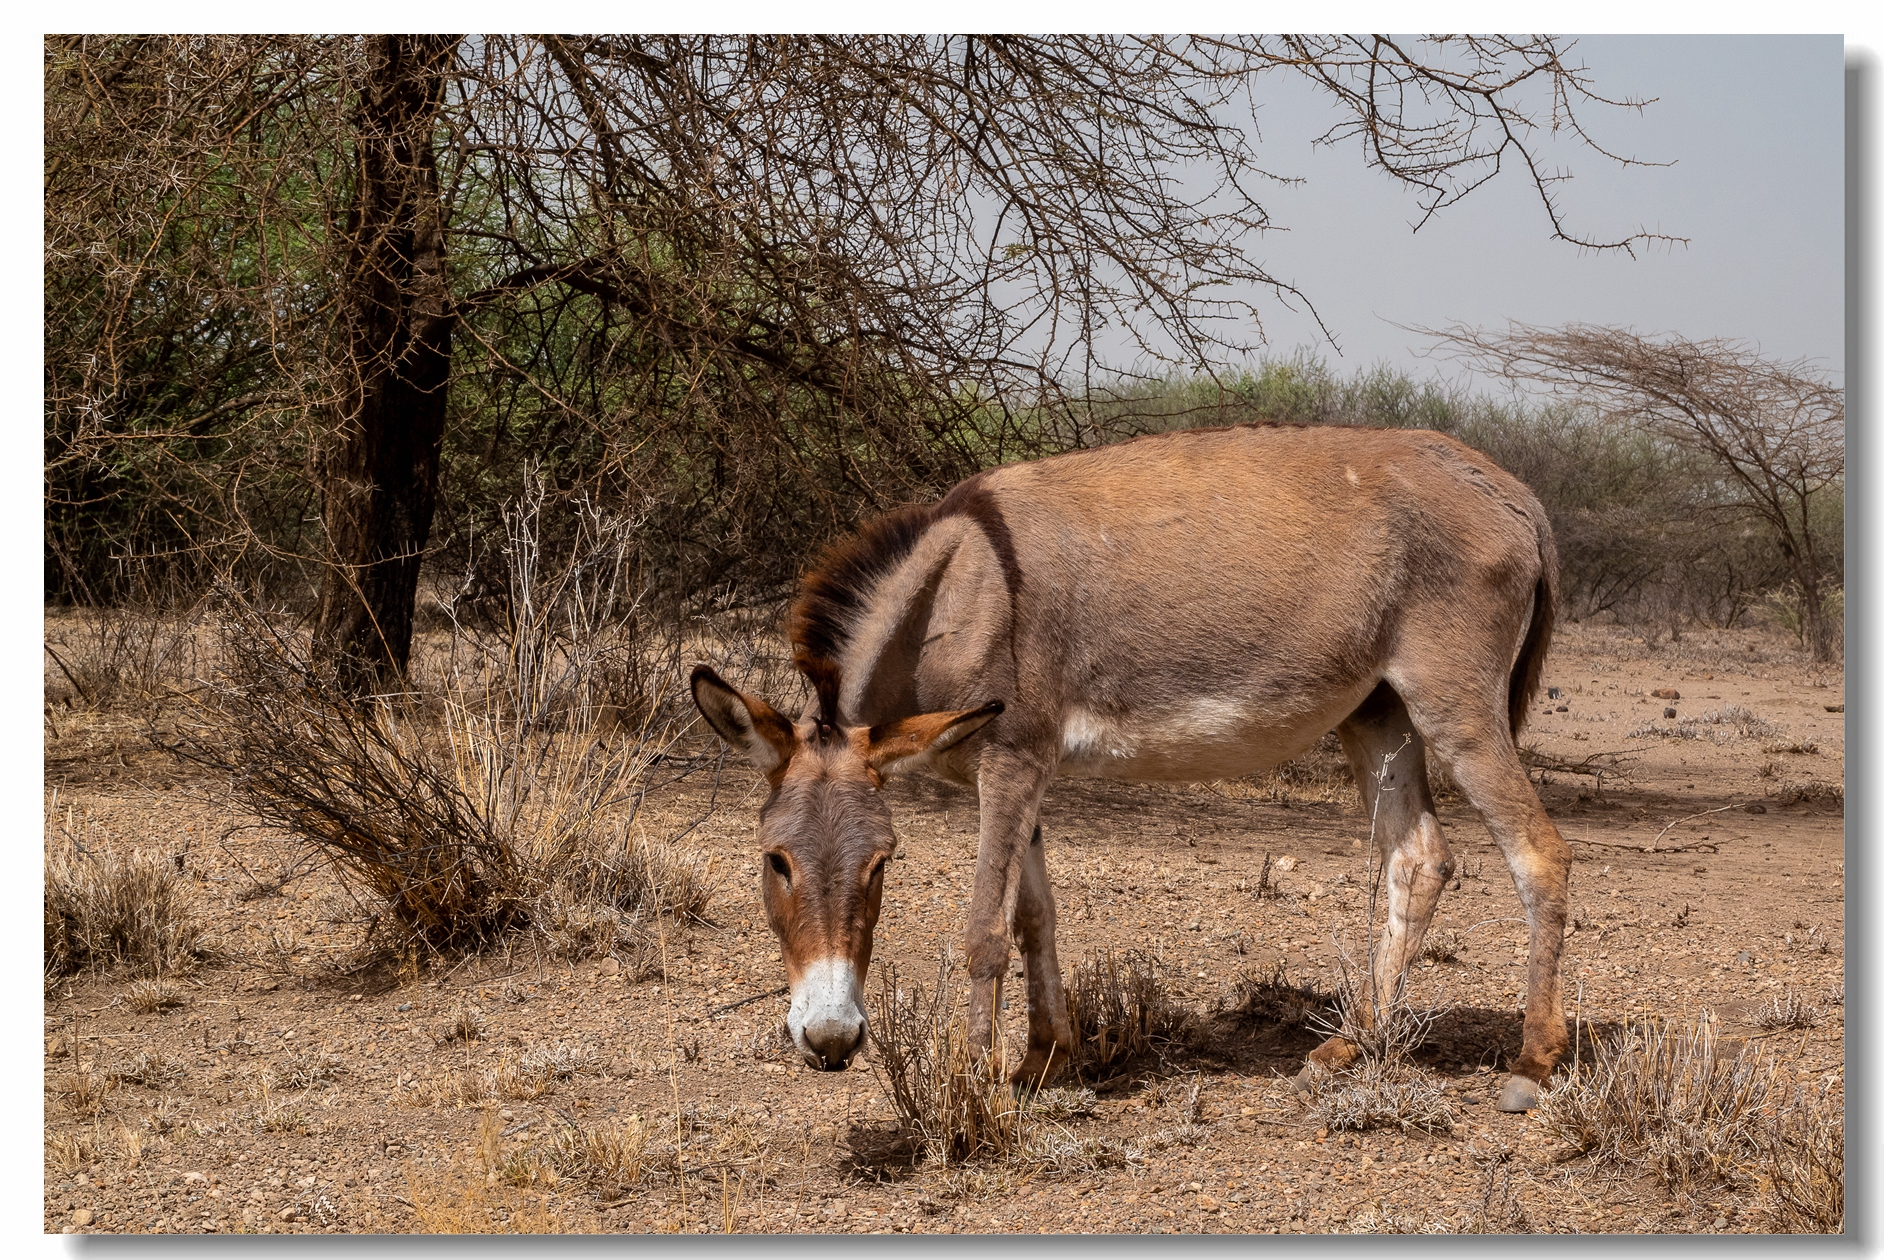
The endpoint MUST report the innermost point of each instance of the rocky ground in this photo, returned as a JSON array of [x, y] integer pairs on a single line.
[[286, 1095]]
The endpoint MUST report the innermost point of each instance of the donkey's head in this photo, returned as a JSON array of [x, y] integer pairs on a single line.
[[825, 835]]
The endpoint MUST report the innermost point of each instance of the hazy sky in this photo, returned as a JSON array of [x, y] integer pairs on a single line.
[[1755, 128]]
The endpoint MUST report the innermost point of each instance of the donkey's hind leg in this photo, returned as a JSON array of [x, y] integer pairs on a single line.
[[1475, 741], [1410, 862], [1049, 1030]]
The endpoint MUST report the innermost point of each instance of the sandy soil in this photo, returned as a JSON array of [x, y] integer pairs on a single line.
[[1709, 879]]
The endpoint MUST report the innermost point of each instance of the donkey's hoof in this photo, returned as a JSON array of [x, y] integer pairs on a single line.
[[1519, 1094]]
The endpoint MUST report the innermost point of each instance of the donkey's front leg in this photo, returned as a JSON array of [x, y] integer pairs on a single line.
[[1010, 786]]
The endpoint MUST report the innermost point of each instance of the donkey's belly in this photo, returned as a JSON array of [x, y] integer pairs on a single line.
[[1207, 737]]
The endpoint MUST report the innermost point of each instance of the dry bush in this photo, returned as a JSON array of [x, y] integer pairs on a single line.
[[1800, 793], [1801, 1155], [107, 907], [559, 1062], [957, 1105], [1378, 1093], [483, 807], [1717, 726], [1120, 1009], [1791, 744], [1442, 945], [117, 656], [153, 994], [1270, 998], [153, 1069], [476, 1195], [1666, 1100], [615, 1155], [467, 1025], [85, 1091], [510, 1078], [72, 1151], [307, 1069], [1787, 1010]]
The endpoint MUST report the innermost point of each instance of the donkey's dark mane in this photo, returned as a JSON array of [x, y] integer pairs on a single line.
[[838, 584]]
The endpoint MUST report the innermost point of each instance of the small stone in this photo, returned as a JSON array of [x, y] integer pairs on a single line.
[[288, 1213], [611, 966], [56, 1048], [1665, 693], [1743, 958], [82, 1217], [1834, 708], [1755, 808], [1668, 712], [1720, 1223], [403, 1006]]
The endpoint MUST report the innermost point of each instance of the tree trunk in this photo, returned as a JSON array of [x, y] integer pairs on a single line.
[[380, 471]]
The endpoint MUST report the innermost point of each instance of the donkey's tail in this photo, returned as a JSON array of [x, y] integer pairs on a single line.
[[1529, 668]]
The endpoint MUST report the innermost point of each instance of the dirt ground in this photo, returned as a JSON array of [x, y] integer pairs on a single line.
[[1709, 879]]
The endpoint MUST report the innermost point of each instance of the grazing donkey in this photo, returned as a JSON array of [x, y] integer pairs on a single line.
[[1187, 606]]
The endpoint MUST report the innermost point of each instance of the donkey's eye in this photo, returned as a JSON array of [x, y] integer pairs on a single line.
[[780, 867]]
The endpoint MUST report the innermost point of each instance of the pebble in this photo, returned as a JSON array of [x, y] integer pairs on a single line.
[[288, 1213], [1720, 1223], [611, 966], [83, 1217]]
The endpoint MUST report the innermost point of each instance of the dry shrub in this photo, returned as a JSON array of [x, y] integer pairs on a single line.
[[1801, 1155], [1378, 1093], [1270, 998], [114, 656], [1442, 945], [467, 1025], [1120, 1009], [510, 1078], [482, 805], [72, 1151], [480, 1195], [153, 994], [1810, 790], [559, 1062], [153, 1069], [614, 1155], [1787, 1010], [85, 1092], [1717, 726], [1791, 744], [107, 907], [1668, 1101], [957, 1105], [307, 1069]]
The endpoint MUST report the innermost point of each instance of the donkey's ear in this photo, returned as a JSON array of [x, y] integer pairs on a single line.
[[924, 736], [746, 722]]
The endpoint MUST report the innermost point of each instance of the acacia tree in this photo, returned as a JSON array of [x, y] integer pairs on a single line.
[[1774, 431], [855, 267]]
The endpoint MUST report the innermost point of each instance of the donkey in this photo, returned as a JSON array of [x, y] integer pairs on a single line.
[[1186, 606]]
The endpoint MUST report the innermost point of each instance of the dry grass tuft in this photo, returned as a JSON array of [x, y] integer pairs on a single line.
[[1787, 1010], [110, 908], [85, 1092], [467, 1026], [487, 1191], [1378, 1093], [1801, 1155], [1664, 1100], [153, 1069], [1810, 791], [1270, 998], [957, 1106], [307, 1069], [1717, 726], [1442, 945], [153, 994], [614, 1156], [1120, 1009]]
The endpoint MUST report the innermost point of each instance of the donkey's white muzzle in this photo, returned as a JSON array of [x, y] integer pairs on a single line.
[[827, 1015]]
